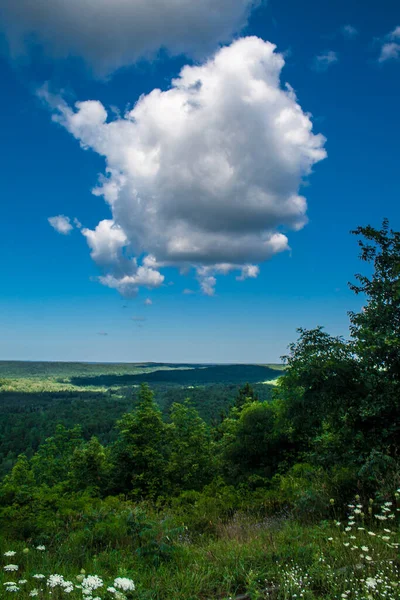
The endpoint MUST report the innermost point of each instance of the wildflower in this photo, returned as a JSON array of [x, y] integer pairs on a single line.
[[368, 558], [370, 582], [25, 550], [12, 588], [387, 530], [38, 576], [364, 548], [125, 584], [371, 533], [346, 544], [347, 529], [55, 580], [11, 568], [41, 548], [91, 582], [34, 592], [111, 589], [357, 511], [22, 581], [10, 553], [330, 539], [332, 501]]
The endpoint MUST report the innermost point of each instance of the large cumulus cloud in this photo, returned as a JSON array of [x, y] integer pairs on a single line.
[[203, 175], [112, 33]]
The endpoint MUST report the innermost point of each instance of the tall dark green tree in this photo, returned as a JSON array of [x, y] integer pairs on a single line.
[[375, 332], [90, 468], [244, 395], [191, 462], [140, 453], [51, 463]]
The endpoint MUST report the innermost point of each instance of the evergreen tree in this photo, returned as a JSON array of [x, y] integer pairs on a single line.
[[51, 463], [190, 464], [89, 467], [140, 451], [244, 395]]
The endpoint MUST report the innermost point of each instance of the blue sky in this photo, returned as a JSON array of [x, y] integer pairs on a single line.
[[52, 304]]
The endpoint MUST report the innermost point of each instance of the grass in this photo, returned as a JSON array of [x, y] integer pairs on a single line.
[[274, 558]]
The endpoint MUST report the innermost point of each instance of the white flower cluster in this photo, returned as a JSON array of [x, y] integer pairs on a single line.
[[58, 581], [124, 584], [91, 583], [11, 567]]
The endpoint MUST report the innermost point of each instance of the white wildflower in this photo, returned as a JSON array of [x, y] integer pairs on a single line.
[[125, 584], [11, 568], [55, 580], [12, 588], [91, 582]]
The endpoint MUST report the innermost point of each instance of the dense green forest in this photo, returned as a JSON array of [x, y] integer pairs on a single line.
[[213, 489], [35, 397]]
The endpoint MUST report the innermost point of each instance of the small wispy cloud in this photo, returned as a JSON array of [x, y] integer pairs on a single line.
[[77, 223], [139, 319], [188, 292], [389, 51], [390, 46], [148, 302], [349, 32], [323, 61], [61, 224], [104, 333]]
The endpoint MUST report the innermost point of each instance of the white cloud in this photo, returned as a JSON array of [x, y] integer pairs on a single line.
[[201, 176], [105, 242], [249, 271], [322, 62], [61, 223], [349, 31], [390, 49], [128, 285], [109, 34], [148, 302]]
